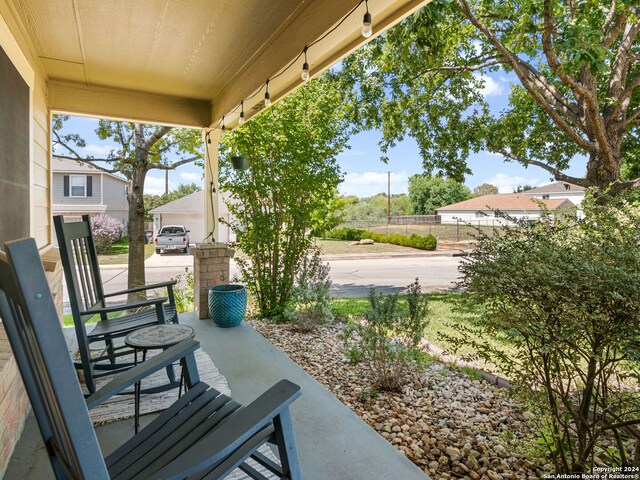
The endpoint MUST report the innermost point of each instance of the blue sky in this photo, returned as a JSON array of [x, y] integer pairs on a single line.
[[364, 173]]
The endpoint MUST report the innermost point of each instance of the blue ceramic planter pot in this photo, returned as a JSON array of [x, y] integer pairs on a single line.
[[227, 305]]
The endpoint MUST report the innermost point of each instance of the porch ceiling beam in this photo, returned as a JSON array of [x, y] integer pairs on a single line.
[[128, 105]]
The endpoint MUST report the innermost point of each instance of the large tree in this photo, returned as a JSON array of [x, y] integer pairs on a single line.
[[575, 92], [140, 148], [427, 194]]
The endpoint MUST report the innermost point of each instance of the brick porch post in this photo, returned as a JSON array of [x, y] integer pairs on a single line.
[[210, 268]]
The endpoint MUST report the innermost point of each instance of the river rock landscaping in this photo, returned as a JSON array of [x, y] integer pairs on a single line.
[[448, 423]]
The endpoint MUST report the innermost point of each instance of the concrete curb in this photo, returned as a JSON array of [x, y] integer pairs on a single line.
[[373, 256]]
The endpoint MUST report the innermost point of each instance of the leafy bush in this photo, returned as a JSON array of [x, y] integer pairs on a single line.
[[309, 303], [388, 339], [106, 231], [427, 242], [294, 173], [345, 233], [566, 293], [184, 292]]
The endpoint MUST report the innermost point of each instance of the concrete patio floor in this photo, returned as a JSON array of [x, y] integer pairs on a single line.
[[333, 443]]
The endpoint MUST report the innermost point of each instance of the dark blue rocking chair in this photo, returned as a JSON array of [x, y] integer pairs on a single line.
[[203, 435]]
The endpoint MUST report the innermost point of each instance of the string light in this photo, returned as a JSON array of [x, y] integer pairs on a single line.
[[267, 97], [367, 30], [241, 119], [305, 67]]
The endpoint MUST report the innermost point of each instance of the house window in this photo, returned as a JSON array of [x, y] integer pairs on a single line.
[[480, 214], [78, 184], [545, 197]]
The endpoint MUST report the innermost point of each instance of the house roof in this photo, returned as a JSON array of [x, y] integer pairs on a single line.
[[508, 202], [192, 203], [555, 187], [186, 63], [64, 165]]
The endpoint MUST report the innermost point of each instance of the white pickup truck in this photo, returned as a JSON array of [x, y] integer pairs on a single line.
[[172, 237]]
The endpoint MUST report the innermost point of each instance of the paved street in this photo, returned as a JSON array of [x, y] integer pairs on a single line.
[[352, 277]]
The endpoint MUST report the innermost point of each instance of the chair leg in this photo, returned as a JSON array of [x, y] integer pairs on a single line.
[[110, 350], [287, 445]]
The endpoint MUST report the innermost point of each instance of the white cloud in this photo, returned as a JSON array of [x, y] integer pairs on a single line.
[[155, 185], [507, 183], [191, 177], [491, 86], [99, 150], [371, 183]]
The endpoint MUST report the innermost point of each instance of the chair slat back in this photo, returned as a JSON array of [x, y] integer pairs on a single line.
[[33, 328], [80, 263]]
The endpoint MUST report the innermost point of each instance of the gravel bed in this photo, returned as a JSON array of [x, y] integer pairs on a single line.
[[449, 425]]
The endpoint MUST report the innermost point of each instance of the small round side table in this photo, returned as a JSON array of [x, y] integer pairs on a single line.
[[155, 337]]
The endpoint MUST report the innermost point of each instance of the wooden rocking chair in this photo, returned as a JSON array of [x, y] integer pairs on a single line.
[[88, 300], [203, 435]]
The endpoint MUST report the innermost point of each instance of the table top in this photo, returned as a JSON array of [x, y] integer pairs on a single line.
[[159, 336]]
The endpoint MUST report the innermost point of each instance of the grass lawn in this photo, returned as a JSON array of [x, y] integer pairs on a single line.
[[446, 311], [119, 251], [333, 247]]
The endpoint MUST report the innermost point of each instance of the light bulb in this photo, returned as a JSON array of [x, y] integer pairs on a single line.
[[241, 119], [267, 97], [367, 30], [305, 72]]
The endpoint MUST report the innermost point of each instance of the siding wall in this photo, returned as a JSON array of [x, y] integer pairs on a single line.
[[115, 198], [40, 176], [60, 199], [14, 405]]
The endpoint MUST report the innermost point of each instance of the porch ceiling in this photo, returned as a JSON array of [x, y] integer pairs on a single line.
[[184, 61]]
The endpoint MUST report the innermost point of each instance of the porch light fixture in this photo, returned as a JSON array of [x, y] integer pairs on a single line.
[[224, 127], [267, 97], [241, 119], [305, 67], [367, 30]]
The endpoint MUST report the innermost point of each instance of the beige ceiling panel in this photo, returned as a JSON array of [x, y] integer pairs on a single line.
[[52, 27], [73, 72]]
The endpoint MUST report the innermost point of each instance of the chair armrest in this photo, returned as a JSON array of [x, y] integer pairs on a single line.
[[233, 432], [143, 370], [125, 306], [142, 288]]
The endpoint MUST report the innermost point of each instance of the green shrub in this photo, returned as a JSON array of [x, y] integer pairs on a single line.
[[309, 303], [184, 292], [427, 242], [566, 293], [388, 339]]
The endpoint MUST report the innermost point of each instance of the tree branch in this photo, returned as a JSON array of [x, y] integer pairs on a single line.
[[157, 135], [558, 175], [174, 165]]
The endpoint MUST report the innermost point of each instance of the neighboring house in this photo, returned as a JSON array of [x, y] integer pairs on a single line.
[[78, 189], [491, 209], [556, 190], [189, 211]]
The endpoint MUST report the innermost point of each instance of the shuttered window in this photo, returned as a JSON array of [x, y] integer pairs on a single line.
[[78, 186]]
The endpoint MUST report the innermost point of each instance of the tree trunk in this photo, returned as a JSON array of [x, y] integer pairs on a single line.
[[136, 275]]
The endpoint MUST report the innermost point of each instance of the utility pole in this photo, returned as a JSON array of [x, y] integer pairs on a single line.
[[388, 197], [166, 181]]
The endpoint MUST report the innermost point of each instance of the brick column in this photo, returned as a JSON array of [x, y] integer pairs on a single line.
[[210, 268]]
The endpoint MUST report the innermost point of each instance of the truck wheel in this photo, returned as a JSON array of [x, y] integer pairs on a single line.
[[158, 251]]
